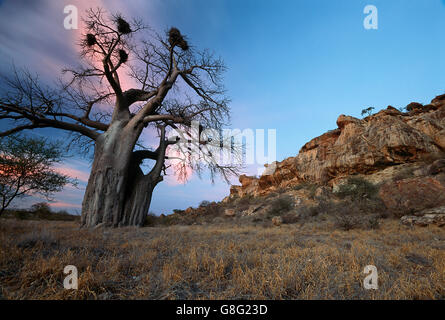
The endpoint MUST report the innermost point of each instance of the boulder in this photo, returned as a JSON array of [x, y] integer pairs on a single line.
[[412, 195], [436, 167], [189, 210], [423, 221], [413, 106], [230, 213]]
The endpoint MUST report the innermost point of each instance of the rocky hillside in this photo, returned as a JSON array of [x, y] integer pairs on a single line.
[[387, 139], [391, 163]]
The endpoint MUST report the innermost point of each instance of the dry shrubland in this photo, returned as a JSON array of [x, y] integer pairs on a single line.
[[221, 261]]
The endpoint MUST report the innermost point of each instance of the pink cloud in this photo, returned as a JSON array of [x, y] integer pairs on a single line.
[[61, 204], [74, 173]]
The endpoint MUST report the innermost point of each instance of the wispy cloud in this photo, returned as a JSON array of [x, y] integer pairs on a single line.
[[61, 204]]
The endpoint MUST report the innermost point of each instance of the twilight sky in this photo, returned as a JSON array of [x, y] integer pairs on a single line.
[[294, 66]]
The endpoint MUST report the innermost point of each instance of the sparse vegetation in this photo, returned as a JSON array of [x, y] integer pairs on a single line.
[[39, 211], [281, 205], [229, 261], [367, 111], [357, 189]]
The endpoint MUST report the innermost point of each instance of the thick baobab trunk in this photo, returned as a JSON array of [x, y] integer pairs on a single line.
[[140, 187], [137, 202], [118, 193], [104, 197]]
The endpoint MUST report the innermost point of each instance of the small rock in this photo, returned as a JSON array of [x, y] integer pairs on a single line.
[[230, 213], [277, 221], [321, 192], [252, 210], [425, 220]]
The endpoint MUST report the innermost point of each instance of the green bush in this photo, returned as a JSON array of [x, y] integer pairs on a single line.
[[290, 218], [281, 205], [347, 222], [357, 189], [150, 220], [42, 210], [21, 215]]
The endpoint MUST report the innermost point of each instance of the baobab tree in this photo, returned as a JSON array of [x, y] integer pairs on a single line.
[[130, 79]]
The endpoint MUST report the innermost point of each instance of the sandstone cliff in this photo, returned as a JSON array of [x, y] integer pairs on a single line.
[[372, 146]]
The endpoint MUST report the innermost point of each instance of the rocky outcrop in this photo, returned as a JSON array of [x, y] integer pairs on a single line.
[[435, 216], [358, 146], [412, 195]]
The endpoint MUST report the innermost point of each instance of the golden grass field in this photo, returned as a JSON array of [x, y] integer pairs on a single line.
[[223, 261]]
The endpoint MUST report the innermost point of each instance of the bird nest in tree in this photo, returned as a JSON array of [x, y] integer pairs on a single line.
[[123, 26], [175, 38], [90, 39], [123, 56]]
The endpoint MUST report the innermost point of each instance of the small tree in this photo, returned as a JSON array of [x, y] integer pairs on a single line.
[[367, 111], [26, 169]]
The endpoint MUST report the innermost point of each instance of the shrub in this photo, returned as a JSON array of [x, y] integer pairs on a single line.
[[21, 215], [42, 210], [311, 187], [281, 205], [306, 212], [357, 189], [243, 203], [347, 222], [367, 111], [350, 215], [372, 223], [169, 220], [204, 203], [290, 218], [150, 220]]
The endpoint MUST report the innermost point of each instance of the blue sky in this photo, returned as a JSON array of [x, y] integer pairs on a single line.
[[294, 66]]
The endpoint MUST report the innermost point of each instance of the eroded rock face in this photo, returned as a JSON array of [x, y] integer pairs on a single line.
[[412, 195], [358, 146]]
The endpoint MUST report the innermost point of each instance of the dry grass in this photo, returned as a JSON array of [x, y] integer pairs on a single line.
[[224, 261]]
